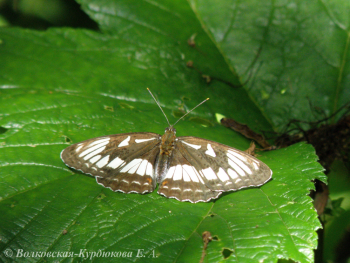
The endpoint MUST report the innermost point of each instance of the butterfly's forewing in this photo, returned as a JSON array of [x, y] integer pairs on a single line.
[[122, 162], [223, 168]]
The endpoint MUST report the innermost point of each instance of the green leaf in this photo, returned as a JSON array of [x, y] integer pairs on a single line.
[[66, 85]]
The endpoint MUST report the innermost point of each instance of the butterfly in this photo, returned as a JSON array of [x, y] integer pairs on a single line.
[[186, 168]]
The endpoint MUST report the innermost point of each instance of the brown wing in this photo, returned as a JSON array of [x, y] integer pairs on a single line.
[[121, 162], [221, 167]]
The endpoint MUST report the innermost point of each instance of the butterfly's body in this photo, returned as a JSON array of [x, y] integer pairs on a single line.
[[186, 168]]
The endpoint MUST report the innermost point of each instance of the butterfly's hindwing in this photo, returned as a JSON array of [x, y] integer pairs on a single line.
[[135, 176], [223, 168], [184, 183], [122, 162]]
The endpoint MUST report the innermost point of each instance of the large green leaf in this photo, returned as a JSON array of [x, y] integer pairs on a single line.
[[62, 86]]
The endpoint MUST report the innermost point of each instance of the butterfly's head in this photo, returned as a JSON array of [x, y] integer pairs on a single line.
[[170, 130]]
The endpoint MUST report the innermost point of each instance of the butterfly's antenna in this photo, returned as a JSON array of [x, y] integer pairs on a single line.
[[159, 106], [191, 110], [182, 116]]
